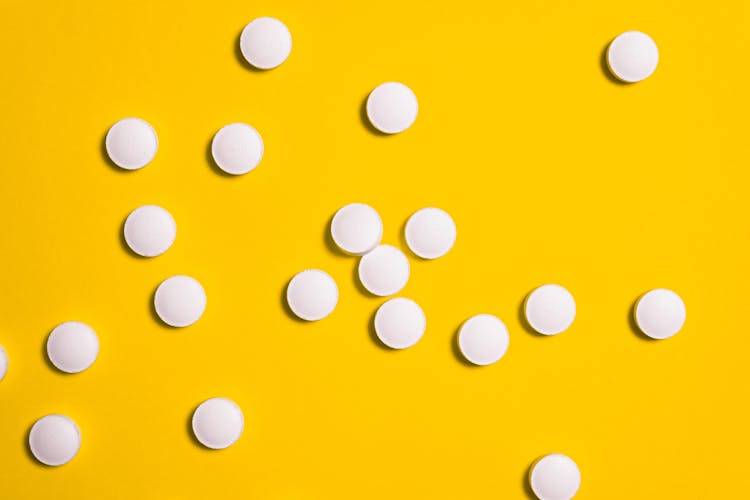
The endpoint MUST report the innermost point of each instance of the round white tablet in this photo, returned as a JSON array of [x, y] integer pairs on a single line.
[[265, 42], [555, 477], [483, 339], [392, 107], [550, 309], [237, 148], [150, 230], [356, 228], [218, 423], [180, 301], [3, 362], [54, 439], [312, 294], [131, 143], [430, 233], [384, 270], [400, 323], [660, 313], [632, 56], [72, 346]]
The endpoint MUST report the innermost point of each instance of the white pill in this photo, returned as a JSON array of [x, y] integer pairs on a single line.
[[483, 339], [265, 42], [150, 230], [384, 270], [356, 228], [237, 148], [180, 301], [632, 56], [131, 143], [430, 233], [660, 313], [218, 423], [54, 439], [312, 294], [3, 363], [555, 477], [72, 346], [550, 309], [400, 323], [392, 107]]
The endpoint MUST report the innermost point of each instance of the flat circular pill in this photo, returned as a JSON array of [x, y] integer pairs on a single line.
[[356, 228], [660, 313], [237, 148], [265, 42], [218, 423], [72, 346], [430, 233], [632, 56], [550, 309], [483, 339], [131, 143], [3, 363], [54, 440], [392, 107], [400, 323], [384, 270], [180, 301], [555, 477], [312, 294], [150, 230]]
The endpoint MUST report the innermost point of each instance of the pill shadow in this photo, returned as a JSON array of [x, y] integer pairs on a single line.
[[366, 120], [605, 67], [285, 304], [330, 244], [634, 326], [525, 322], [240, 58], [374, 334], [46, 359], [457, 350], [212, 163], [526, 483], [358, 283]]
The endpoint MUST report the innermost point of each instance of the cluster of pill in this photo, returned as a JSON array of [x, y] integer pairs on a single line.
[[356, 229]]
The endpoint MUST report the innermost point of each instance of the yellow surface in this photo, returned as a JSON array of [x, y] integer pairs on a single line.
[[553, 173]]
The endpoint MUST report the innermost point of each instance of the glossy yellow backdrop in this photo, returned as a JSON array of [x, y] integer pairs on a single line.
[[552, 171]]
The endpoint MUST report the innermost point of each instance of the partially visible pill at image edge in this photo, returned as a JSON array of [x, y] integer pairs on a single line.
[[312, 294], [555, 477], [180, 301], [265, 42], [54, 440], [72, 346], [660, 313], [131, 143], [356, 228], [150, 230], [483, 339], [218, 423], [392, 107], [3, 362]]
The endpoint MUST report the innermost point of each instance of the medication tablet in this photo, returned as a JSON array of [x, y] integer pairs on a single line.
[[660, 313], [384, 271], [430, 233], [632, 56], [265, 42], [150, 230], [218, 423], [356, 228], [3, 362], [72, 346], [54, 439], [550, 309], [312, 294], [483, 339], [400, 323], [555, 477], [392, 107], [237, 148], [131, 143], [180, 301]]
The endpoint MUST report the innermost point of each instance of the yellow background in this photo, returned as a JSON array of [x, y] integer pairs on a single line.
[[552, 171]]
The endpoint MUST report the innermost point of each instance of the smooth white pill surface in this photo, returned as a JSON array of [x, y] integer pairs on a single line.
[[555, 477], [392, 107], [237, 148], [483, 339], [150, 230], [550, 309], [72, 346], [265, 42], [3, 362], [54, 439], [312, 294], [400, 323], [218, 423], [180, 301], [660, 313], [632, 56], [356, 228], [131, 143], [384, 270], [430, 233]]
